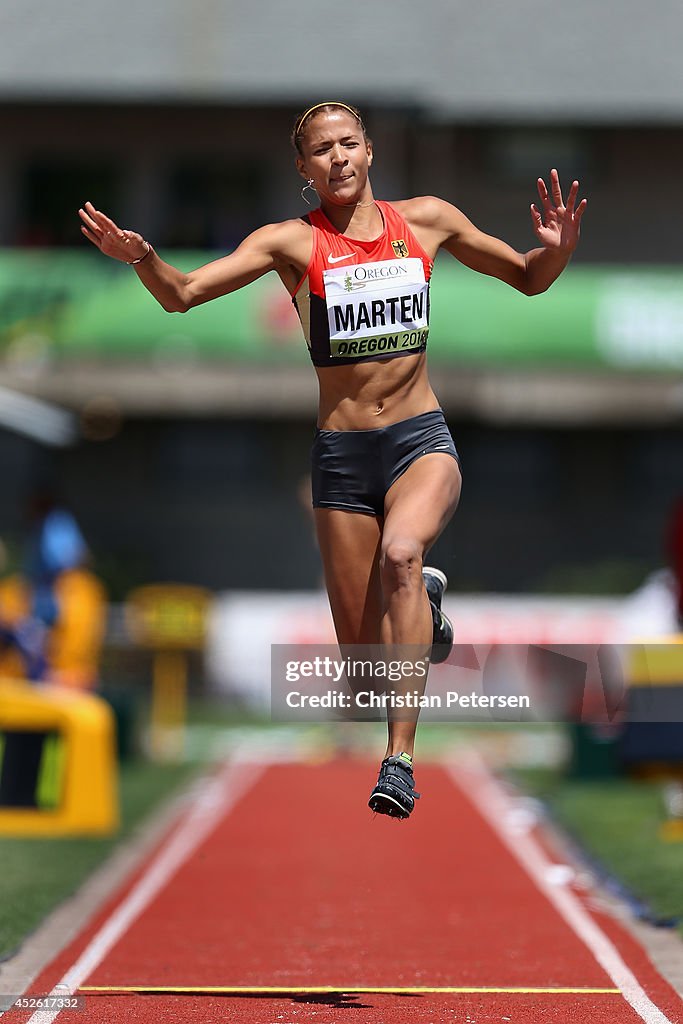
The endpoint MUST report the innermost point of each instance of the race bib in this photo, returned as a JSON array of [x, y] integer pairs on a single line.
[[377, 307]]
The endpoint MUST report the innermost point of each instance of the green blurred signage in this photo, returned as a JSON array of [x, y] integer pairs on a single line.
[[69, 304]]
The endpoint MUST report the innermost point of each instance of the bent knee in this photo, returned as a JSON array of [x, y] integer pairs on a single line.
[[401, 562]]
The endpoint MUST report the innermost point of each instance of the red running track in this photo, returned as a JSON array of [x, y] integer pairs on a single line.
[[299, 886]]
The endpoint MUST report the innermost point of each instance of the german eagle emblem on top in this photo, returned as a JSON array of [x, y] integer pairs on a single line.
[[400, 247]]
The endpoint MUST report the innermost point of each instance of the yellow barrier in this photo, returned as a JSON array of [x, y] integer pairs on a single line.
[[85, 791]]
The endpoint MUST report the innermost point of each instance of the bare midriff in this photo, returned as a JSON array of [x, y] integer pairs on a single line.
[[366, 396]]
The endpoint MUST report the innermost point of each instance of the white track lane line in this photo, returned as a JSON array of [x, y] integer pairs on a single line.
[[474, 779], [212, 804]]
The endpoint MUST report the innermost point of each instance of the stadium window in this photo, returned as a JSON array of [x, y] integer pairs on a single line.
[[213, 205], [51, 193], [519, 154]]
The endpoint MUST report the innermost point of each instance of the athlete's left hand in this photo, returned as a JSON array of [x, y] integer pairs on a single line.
[[559, 226]]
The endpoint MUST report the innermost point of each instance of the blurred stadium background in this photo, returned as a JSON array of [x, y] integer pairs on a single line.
[[195, 430], [180, 443], [184, 451]]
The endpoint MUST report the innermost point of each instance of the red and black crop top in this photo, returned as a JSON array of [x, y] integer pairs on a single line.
[[364, 300]]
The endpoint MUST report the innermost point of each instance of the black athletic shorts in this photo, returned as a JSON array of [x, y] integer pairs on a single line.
[[353, 469]]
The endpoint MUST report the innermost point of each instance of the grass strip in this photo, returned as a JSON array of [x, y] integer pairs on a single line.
[[618, 823], [37, 874]]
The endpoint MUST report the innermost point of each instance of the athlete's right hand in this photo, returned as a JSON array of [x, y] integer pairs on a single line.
[[110, 239]]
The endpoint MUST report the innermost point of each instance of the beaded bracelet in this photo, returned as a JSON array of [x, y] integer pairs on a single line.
[[132, 263]]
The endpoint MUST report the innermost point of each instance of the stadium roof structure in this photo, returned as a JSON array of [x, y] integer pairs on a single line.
[[450, 59]]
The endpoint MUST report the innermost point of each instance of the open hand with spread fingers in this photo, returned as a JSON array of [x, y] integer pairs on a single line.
[[559, 225], [126, 246]]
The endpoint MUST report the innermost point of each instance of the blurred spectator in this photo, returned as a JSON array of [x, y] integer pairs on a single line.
[[75, 641], [21, 639], [53, 615], [52, 621]]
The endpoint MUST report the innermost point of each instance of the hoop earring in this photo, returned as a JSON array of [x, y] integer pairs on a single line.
[[309, 184]]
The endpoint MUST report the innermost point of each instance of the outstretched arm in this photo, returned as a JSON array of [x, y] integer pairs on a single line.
[[557, 228], [173, 289]]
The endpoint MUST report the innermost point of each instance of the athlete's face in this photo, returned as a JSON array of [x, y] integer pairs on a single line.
[[337, 156]]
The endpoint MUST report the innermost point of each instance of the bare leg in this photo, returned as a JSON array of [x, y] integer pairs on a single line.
[[373, 567], [349, 546], [417, 508]]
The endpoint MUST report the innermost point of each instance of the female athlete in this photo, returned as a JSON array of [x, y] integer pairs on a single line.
[[386, 475]]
